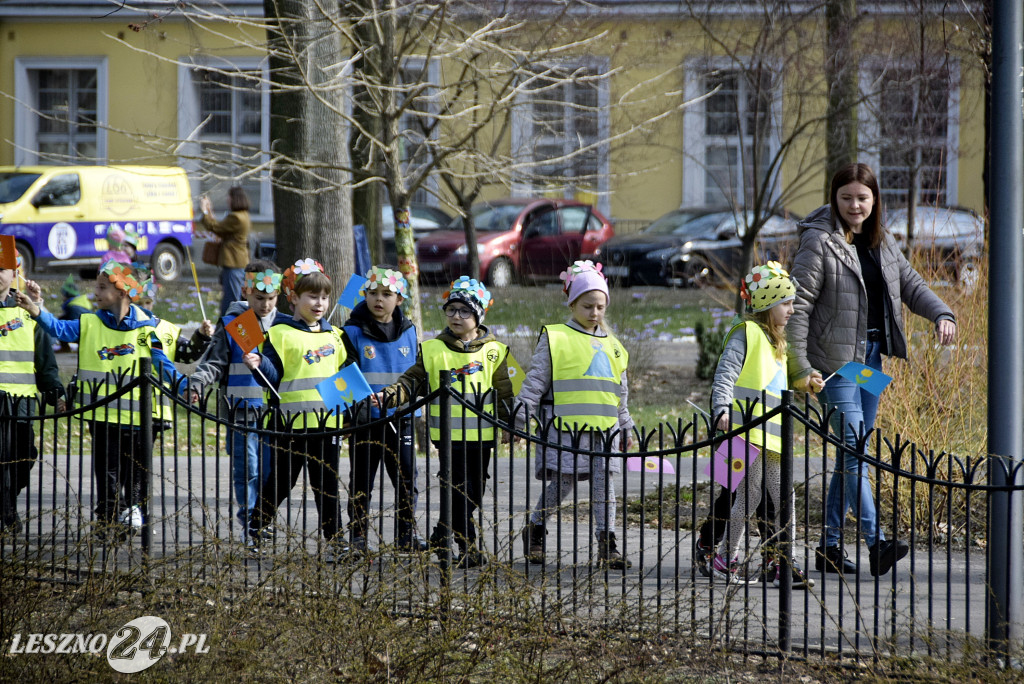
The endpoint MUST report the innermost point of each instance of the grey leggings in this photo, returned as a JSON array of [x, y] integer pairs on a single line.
[[731, 546], [561, 485]]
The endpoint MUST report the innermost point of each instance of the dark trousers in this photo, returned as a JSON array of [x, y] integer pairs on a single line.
[[713, 529], [392, 444], [116, 465], [319, 455], [470, 461], [18, 454]]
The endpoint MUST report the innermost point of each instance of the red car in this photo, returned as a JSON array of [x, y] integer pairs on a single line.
[[518, 239]]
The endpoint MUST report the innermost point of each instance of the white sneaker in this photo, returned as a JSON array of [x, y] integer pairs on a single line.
[[132, 517]]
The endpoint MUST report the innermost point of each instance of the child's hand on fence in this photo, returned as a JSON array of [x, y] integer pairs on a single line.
[[62, 405], [251, 360], [723, 422], [193, 396], [377, 399]]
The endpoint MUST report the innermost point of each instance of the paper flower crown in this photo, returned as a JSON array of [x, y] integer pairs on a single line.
[[124, 277], [767, 285], [385, 278], [265, 281], [577, 268], [292, 274], [466, 287]]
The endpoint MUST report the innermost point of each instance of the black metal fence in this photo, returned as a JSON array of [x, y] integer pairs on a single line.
[[933, 602]]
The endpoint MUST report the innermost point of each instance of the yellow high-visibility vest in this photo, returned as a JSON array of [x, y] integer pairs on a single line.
[[471, 375], [761, 371], [17, 352], [103, 355], [307, 358], [586, 377]]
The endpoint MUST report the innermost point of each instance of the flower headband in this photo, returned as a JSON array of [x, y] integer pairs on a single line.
[[385, 278], [123, 277], [266, 281], [759, 278], [302, 267], [470, 287], [577, 268]]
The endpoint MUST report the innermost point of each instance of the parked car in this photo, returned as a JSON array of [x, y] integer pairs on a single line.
[[518, 239], [425, 219], [640, 259], [952, 238], [696, 247]]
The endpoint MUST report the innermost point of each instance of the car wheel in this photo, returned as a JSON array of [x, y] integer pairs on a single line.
[[27, 258], [500, 273], [166, 262], [696, 272]]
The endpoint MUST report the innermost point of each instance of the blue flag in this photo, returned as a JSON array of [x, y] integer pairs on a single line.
[[866, 378], [350, 295], [344, 388]]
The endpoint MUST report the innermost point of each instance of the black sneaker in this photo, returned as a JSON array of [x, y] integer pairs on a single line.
[[800, 578], [411, 542], [884, 554], [833, 559]]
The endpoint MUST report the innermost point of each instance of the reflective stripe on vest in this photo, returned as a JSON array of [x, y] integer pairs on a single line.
[[382, 363], [241, 389], [761, 371], [471, 376], [586, 377], [17, 352], [307, 358], [105, 354]]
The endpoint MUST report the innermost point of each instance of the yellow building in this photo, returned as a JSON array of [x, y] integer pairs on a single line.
[[81, 84]]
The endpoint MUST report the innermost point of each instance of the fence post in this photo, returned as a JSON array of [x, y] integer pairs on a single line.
[[445, 463], [785, 546], [146, 442], [1005, 601]]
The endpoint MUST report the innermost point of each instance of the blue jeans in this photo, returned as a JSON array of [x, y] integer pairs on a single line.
[[250, 465], [850, 486], [231, 280]]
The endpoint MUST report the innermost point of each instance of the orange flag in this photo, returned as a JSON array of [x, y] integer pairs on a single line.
[[8, 252], [245, 331]]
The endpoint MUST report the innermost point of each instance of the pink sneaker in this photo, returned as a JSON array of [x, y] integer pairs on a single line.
[[724, 570]]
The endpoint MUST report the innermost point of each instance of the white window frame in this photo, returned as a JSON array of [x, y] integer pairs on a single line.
[[869, 128], [427, 194], [189, 121], [522, 135], [25, 139], [696, 142]]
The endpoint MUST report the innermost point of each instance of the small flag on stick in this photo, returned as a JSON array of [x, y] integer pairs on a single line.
[[651, 464], [732, 456], [245, 331], [350, 295], [344, 388], [8, 252], [867, 378]]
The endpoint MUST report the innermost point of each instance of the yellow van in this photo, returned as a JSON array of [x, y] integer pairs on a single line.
[[59, 215]]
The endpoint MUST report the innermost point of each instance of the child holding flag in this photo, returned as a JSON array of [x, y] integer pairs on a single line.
[[301, 352], [752, 371], [111, 340], [477, 365], [578, 378], [241, 397], [385, 344], [28, 367]]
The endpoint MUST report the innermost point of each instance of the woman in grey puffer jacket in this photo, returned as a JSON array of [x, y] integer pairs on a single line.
[[853, 282]]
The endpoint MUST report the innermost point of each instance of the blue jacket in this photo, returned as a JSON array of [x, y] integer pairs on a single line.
[[382, 357]]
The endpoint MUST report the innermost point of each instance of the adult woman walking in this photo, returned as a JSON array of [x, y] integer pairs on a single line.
[[853, 282], [233, 232]]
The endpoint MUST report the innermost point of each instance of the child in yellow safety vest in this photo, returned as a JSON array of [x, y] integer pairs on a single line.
[[751, 375], [111, 340], [477, 366], [577, 384], [29, 368], [299, 353]]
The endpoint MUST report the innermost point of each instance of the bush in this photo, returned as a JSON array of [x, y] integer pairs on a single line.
[[709, 343]]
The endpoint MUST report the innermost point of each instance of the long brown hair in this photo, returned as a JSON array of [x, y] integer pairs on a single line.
[[858, 173], [776, 334], [237, 199]]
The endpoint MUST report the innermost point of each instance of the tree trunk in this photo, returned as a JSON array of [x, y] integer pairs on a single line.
[[312, 212], [841, 70]]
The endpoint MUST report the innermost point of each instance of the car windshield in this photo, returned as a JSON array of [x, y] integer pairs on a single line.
[[491, 218], [671, 224], [14, 185]]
